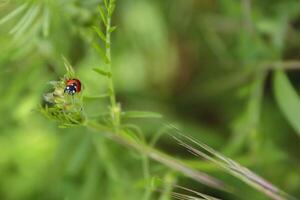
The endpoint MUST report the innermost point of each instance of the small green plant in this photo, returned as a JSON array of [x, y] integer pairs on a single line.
[[66, 109], [106, 15]]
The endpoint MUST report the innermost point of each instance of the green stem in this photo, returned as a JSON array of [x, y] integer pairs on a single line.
[[115, 108]]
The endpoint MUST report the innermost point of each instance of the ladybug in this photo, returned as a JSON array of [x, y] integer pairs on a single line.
[[72, 86]]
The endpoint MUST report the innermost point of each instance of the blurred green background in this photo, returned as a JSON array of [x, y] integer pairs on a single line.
[[206, 65]]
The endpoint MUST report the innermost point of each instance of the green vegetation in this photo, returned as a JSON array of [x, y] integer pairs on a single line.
[[168, 89]]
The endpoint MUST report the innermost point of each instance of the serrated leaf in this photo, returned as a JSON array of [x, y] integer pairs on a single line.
[[101, 53], [287, 99], [100, 33], [141, 114], [102, 15], [13, 14], [102, 72]]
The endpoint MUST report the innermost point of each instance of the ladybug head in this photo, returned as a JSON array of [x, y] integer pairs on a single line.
[[71, 89]]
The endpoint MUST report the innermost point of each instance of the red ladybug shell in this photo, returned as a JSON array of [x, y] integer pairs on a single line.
[[74, 82]]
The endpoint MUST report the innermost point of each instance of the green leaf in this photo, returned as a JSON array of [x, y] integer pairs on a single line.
[[70, 71], [249, 120], [100, 33], [101, 53], [96, 96], [102, 15], [102, 72], [29, 20], [153, 182], [112, 29], [111, 9], [106, 3], [287, 99], [141, 114], [13, 14], [24, 20], [79, 156], [46, 20]]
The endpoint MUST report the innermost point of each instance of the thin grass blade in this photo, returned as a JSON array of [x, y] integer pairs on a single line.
[[14, 13], [231, 167]]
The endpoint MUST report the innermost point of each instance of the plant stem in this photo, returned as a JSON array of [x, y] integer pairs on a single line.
[[114, 107], [108, 55]]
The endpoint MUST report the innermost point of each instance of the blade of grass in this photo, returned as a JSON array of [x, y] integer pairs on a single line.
[[287, 99], [231, 167], [13, 13], [46, 21], [140, 114], [29, 21], [25, 21]]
